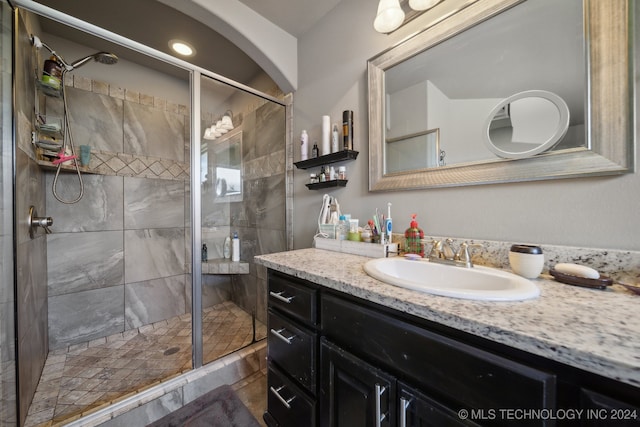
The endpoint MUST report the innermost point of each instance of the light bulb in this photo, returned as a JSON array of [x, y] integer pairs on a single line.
[[422, 4], [389, 17]]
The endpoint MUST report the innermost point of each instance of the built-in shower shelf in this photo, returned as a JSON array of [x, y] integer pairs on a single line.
[[47, 165], [225, 266]]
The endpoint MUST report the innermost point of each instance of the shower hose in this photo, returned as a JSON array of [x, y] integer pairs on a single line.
[[67, 138]]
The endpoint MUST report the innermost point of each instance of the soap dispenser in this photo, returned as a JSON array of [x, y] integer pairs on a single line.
[[413, 236]]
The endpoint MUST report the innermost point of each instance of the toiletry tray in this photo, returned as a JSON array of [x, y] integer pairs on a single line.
[[371, 250]]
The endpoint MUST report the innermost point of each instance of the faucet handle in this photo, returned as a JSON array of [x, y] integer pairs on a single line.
[[463, 253], [436, 248], [447, 250]]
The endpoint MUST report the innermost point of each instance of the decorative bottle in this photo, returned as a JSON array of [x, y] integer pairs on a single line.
[[413, 236]]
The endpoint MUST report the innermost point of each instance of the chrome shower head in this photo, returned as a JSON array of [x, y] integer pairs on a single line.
[[101, 57]]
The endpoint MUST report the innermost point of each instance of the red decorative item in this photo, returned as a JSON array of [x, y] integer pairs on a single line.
[[413, 237]]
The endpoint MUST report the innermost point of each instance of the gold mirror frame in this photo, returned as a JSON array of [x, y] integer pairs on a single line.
[[610, 109]]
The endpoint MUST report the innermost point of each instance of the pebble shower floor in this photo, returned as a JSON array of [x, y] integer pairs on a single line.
[[84, 377]]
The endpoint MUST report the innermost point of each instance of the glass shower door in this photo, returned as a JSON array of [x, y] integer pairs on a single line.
[[242, 184]]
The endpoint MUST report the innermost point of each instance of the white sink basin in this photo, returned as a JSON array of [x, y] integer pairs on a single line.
[[477, 283]]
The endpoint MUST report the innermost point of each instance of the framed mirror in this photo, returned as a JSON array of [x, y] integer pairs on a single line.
[[463, 76]]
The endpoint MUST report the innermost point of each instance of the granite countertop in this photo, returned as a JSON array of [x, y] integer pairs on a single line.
[[597, 331]]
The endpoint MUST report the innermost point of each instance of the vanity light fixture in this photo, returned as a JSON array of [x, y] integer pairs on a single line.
[[181, 47], [222, 126], [391, 13]]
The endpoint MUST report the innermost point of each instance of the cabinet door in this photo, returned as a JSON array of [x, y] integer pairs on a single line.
[[601, 410], [415, 409], [354, 393]]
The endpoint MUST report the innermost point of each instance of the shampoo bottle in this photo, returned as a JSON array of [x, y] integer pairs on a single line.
[[235, 248], [226, 249], [335, 144], [304, 145]]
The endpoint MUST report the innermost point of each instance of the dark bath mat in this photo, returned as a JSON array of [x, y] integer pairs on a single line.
[[218, 408]]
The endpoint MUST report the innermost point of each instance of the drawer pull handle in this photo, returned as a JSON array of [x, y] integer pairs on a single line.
[[285, 402], [278, 334], [404, 405], [278, 295], [379, 415]]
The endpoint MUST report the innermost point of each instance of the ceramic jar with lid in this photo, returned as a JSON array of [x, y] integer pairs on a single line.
[[526, 260]]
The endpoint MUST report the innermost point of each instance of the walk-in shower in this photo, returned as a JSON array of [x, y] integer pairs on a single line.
[[117, 298]]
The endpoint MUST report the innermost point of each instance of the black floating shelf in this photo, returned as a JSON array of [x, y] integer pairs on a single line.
[[338, 156], [327, 184]]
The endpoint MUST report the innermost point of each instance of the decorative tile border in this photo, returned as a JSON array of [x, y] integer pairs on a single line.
[[122, 164]]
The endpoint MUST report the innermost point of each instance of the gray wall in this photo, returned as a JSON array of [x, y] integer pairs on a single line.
[[598, 212]]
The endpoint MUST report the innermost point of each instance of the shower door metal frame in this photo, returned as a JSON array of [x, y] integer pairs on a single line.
[[195, 75]]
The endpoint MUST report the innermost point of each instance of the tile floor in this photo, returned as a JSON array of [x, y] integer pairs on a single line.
[[91, 375]]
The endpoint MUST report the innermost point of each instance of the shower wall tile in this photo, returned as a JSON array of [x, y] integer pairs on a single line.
[[153, 253], [270, 119], [84, 316], [83, 261], [263, 204], [215, 289], [8, 348], [153, 203], [31, 181], [153, 132], [154, 300], [245, 292], [96, 119], [99, 209]]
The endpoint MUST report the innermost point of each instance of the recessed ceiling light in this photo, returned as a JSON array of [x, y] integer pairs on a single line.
[[182, 48]]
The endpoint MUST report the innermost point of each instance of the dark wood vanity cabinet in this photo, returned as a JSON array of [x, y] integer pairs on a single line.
[[292, 352], [339, 361]]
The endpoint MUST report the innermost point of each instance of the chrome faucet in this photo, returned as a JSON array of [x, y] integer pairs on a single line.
[[443, 253]]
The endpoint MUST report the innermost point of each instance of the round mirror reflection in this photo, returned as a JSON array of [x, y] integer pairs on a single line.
[[526, 124]]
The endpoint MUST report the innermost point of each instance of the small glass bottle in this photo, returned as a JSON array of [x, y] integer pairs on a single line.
[[314, 151], [323, 177], [205, 255]]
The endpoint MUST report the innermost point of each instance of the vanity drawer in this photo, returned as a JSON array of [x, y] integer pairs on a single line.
[[287, 404], [449, 369], [293, 349], [293, 296]]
